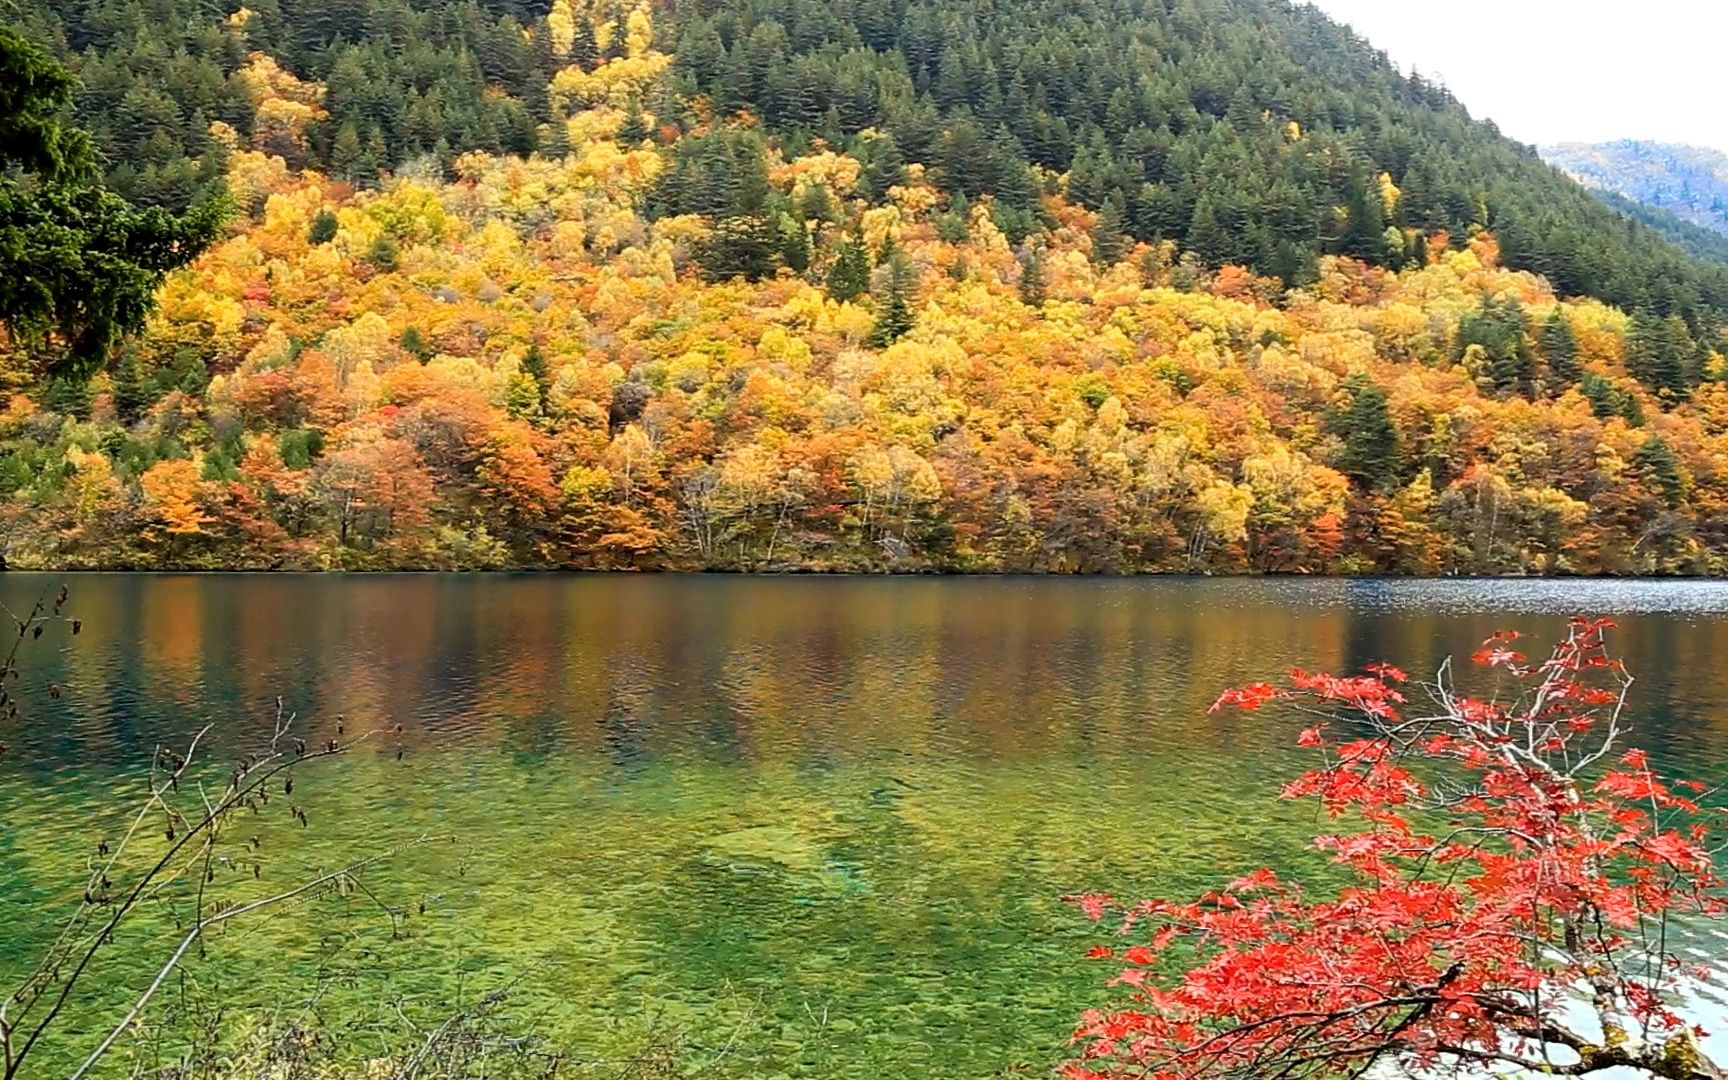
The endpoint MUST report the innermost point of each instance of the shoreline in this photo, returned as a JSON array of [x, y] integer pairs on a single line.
[[813, 573]]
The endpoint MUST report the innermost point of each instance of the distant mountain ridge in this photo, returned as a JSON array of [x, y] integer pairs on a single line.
[[1699, 241], [1689, 182]]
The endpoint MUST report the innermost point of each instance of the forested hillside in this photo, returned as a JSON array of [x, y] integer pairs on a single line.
[[1249, 131], [1689, 182], [1695, 240], [971, 285]]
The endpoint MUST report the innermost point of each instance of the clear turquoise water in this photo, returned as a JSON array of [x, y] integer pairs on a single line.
[[814, 827]]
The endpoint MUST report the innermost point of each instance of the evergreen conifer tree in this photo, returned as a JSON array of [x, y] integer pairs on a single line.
[[79, 265], [323, 228], [1110, 236], [849, 277], [1033, 279], [1370, 454], [894, 318], [1560, 348]]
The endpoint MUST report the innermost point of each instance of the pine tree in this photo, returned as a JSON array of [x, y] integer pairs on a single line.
[[1370, 455], [1242, 113], [534, 363], [884, 167], [79, 265], [1660, 466], [953, 225], [1497, 328], [584, 51], [1091, 179], [414, 343], [739, 246], [1159, 214], [68, 395], [1560, 348], [131, 395], [1419, 250], [348, 158], [383, 254], [634, 129], [794, 241], [1599, 392], [894, 310], [377, 150], [554, 139], [1365, 226], [817, 204], [1207, 236], [1294, 264], [1013, 184], [1109, 235], [1658, 353], [849, 277], [1033, 279], [1608, 401], [324, 227]]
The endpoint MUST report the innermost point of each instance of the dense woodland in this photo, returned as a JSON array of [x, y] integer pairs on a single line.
[[1696, 240], [1248, 131], [981, 285]]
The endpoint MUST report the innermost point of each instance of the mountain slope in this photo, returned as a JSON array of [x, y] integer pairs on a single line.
[[1690, 182], [1696, 240], [800, 292], [1240, 127], [517, 369], [1249, 131]]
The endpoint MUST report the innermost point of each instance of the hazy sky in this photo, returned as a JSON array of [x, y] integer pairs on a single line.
[[1565, 70]]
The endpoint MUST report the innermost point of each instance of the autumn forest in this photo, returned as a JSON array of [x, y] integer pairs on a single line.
[[787, 286], [749, 305]]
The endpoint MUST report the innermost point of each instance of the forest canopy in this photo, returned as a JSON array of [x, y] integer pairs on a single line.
[[1254, 132], [1200, 286], [79, 266]]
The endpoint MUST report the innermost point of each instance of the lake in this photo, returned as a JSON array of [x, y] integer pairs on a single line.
[[802, 827]]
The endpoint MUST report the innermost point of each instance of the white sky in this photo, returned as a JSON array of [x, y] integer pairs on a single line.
[[1565, 70]]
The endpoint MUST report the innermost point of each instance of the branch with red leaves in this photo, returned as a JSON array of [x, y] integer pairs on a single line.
[[1513, 878]]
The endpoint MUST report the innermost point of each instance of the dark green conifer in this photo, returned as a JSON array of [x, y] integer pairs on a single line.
[[1033, 279], [1371, 447], [849, 277], [1560, 348], [323, 228], [894, 318]]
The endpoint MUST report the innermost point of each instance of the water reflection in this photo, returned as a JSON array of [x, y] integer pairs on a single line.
[[789, 798], [753, 669]]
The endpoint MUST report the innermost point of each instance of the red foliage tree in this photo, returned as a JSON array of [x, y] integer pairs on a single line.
[[1509, 906]]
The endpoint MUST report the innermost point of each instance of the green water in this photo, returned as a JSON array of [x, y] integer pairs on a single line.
[[810, 827]]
